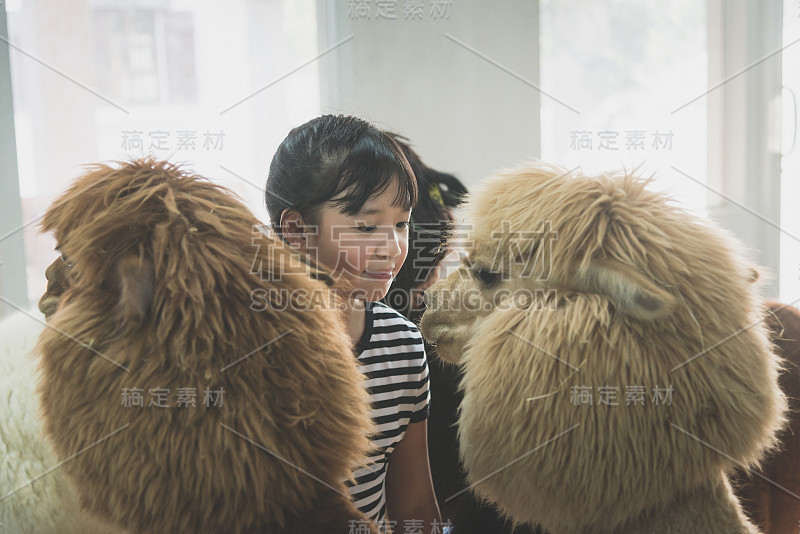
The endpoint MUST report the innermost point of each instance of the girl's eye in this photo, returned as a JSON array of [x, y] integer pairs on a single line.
[[365, 229], [403, 224]]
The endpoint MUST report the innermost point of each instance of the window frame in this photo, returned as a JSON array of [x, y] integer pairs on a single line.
[[13, 276]]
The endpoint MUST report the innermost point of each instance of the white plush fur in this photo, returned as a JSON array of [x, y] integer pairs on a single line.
[[48, 504]]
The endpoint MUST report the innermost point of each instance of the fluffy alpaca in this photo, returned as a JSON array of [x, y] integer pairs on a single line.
[[574, 284], [35, 496], [171, 287]]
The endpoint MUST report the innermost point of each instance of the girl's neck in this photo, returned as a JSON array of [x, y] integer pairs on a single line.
[[354, 317]]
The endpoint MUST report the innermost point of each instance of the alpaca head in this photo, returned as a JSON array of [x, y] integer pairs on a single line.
[[57, 275], [194, 372], [612, 347]]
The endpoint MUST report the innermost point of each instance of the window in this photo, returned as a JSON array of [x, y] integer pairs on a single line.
[[203, 83], [790, 164], [618, 81], [145, 56]]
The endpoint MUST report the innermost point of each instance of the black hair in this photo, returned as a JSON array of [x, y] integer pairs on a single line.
[[431, 228], [336, 159]]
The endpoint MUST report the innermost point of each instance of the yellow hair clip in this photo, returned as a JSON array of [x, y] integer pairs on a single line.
[[435, 194]]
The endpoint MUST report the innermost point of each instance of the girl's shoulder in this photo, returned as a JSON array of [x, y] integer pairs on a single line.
[[388, 331], [383, 315]]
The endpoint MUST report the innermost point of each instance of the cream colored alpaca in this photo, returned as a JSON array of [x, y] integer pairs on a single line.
[[586, 284]]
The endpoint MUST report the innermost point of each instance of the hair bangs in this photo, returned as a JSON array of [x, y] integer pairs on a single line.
[[369, 169]]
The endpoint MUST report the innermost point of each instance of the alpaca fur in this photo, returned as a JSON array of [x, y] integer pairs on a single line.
[[600, 282], [35, 496], [163, 266]]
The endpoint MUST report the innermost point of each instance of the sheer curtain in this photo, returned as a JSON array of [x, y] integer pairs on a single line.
[[213, 85]]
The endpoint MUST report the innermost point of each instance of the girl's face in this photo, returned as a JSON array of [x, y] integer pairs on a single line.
[[367, 249]]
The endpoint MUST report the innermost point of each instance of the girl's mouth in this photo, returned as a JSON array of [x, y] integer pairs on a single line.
[[379, 275]]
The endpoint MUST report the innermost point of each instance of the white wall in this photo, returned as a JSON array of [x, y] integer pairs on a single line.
[[462, 113]]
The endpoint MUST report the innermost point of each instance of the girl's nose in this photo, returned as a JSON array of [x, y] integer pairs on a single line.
[[390, 245]]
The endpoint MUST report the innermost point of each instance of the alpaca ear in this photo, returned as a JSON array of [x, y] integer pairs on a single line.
[[631, 292], [135, 279]]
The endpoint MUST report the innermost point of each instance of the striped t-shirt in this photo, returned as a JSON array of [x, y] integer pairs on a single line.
[[391, 354]]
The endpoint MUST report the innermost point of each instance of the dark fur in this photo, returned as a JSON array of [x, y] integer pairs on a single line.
[[774, 509]]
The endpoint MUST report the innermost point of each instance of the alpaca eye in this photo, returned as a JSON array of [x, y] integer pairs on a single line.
[[65, 260], [488, 278]]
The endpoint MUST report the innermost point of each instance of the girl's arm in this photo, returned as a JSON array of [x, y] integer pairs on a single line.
[[409, 489]]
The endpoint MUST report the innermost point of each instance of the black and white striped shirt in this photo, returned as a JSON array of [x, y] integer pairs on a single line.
[[391, 354]]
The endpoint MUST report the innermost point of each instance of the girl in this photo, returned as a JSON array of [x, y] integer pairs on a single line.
[[342, 191]]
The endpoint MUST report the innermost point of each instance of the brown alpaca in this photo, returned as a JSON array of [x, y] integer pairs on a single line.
[[575, 283], [170, 287]]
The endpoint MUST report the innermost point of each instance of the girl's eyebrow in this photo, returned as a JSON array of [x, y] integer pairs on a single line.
[[373, 211], [369, 211]]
